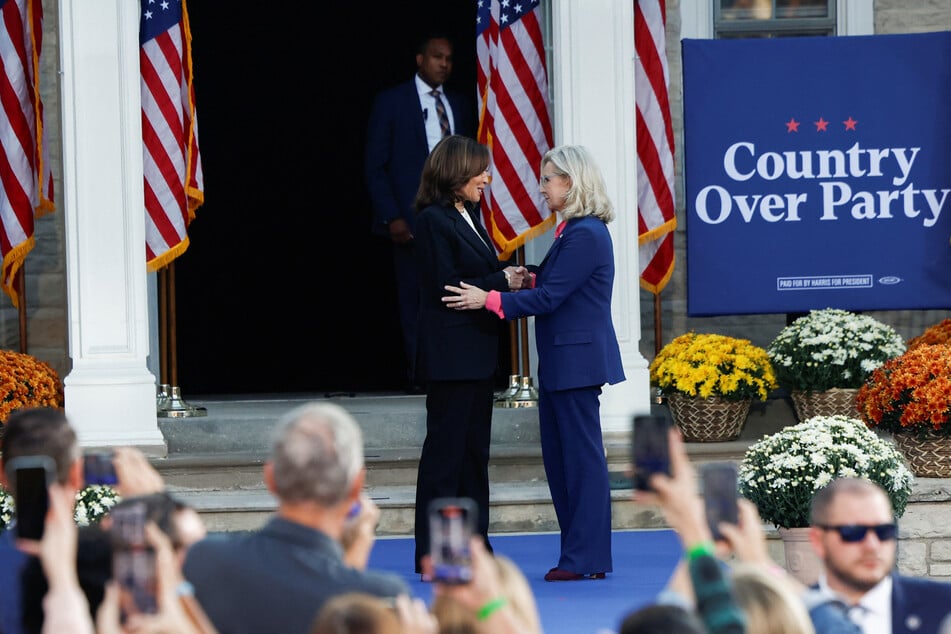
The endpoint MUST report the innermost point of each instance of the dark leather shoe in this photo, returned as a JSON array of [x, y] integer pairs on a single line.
[[557, 574]]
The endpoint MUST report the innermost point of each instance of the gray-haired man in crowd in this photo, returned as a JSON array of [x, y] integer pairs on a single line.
[[277, 579]]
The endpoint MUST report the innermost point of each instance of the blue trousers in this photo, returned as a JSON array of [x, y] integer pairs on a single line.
[[577, 471]]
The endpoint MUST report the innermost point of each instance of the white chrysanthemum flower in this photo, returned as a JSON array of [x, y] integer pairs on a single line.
[[803, 458]]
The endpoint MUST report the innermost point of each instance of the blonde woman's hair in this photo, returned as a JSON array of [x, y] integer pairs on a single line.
[[770, 603], [356, 613], [519, 593], [587, 195], [452, 616], [455, 618]]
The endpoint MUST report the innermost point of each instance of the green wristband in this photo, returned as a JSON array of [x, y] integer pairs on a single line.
[[699, 549], [491, 608]]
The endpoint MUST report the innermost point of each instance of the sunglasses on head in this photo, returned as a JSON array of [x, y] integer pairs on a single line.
[[852, 533]]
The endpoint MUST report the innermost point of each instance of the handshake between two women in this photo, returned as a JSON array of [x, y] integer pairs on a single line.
[[469, 297]]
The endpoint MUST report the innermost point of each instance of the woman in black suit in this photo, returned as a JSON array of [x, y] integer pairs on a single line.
[[457, 352]]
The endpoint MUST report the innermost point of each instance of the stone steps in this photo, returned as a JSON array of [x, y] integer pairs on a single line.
[[215, 462]]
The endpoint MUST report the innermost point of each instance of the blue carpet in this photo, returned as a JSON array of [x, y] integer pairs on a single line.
[[643, 562]]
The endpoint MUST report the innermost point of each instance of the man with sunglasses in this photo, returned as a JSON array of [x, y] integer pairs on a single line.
[[853, 531]]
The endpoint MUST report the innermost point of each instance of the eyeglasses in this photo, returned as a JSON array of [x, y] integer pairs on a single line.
[[546, 178], [854, 533]]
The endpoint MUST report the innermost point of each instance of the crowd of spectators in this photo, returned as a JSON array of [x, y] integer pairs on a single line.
[[307, 569]]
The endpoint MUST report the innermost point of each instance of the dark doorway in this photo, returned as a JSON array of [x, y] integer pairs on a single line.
[[283, 288]]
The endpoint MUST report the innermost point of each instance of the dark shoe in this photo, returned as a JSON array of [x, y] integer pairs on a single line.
[[557, 574]]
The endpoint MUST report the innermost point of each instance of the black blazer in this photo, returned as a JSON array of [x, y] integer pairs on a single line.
[[396, 149], [455, 345]]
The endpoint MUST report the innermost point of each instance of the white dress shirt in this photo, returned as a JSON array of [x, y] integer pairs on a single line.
[[874, 610], [430, 118]]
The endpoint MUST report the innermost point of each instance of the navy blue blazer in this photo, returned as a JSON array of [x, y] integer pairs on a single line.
[[571, 302], [396, 150], [919, 605], [455, 345]]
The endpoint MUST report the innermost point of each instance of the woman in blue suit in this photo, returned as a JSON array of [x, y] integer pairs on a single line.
[[577, 354], [457, 353]]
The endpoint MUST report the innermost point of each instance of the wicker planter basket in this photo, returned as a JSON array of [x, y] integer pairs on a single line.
[[928, 457], [832, 402], [710, 419]]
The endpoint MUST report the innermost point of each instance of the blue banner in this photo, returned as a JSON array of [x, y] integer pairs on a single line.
[[818, 173]]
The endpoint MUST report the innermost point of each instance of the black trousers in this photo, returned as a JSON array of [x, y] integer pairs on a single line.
[[455, 456]]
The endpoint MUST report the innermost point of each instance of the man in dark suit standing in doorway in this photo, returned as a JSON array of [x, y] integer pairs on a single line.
[[406, 122]]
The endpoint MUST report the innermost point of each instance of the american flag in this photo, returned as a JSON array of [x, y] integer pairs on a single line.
[[513, 119], [174, 185], [656, 219], [26, 180]]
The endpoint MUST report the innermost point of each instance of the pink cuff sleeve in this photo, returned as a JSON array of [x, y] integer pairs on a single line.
[[493, 302]]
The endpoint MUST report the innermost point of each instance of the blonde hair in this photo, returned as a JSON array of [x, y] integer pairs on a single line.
[[356, 613], [453, 617], [518, 591], [770, 603], [587, 195], [456, 618]]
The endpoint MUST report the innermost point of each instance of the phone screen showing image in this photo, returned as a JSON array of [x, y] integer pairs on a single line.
[[719, 494], [451, 525], [99, 469], [31, 477], [133, 561], [650, 449]]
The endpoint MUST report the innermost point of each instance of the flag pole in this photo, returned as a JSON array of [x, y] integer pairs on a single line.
[[172, 332], [658, 326], [21, 307], [163, 325], [521, 392], [170, 402]]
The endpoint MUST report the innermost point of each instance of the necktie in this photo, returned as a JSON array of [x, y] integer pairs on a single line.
[[857, 614], [441, 113]]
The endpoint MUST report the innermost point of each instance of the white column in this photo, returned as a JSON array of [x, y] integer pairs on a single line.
[[593, 77], [110, 394]]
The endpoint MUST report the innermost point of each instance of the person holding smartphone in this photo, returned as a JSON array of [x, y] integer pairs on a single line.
[[40, 432], [277, 578], [578, 352]]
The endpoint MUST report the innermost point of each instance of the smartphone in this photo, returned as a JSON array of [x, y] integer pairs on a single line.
[[98, 468], [133, 561], [650, 449], [452, 523], [31, 477], [718, 482]]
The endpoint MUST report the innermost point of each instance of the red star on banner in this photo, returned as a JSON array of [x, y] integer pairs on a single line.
[[792, 125], [850, 123], [821, 125]]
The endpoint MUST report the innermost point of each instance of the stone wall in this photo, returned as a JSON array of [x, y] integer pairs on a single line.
[[924, 547]]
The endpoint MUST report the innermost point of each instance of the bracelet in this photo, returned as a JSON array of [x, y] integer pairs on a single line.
[[491, 608], [699, 549]]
